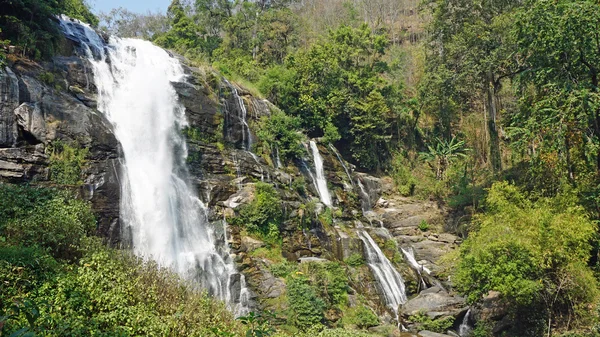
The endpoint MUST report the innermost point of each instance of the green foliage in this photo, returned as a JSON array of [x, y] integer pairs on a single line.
[[47, 218], [403, 179], [257, 324], [533, 253], [280, 134], [66, 163], [355, 260], [362, 317], [423, 226], [443, 153], [436, 325], [30, 24], [330, 281], [263, 215], [306, 308]]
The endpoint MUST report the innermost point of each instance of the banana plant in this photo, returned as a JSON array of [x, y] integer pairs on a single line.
[[442, 153]]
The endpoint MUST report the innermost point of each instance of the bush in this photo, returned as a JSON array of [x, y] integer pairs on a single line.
[[363, 317], [66, 163], [263, 215], [426, 323], [281, 133], [423, 226], [59, 223], [306, 308], [534, 253], [355, 260]]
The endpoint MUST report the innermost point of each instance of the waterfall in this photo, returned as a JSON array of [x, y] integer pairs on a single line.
[[464, 330], [320, 180], [389, 280], [246, 134], [339, 157], [161, 215], [364, 196], [410, 256]]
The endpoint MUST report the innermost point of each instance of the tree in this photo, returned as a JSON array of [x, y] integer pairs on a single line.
[[470, 54], [534, 253], [558, 124]]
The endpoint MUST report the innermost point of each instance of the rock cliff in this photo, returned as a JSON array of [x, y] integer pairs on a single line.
[[55, 101]]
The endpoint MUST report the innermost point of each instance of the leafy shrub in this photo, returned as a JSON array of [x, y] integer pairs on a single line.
[[66, 163], [436, 325], [306, 308], [534, 253], [59, 223], [281, 133], [283, 269], [423, 226], [403, 179], [363, 317], [355, 260], [263, 215], [329, 280]]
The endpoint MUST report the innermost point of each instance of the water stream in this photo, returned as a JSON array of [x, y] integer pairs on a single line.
[[389, 280], [321, 181], [161, 216]]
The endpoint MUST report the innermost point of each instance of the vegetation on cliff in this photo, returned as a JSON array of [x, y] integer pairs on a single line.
[[489, 107]]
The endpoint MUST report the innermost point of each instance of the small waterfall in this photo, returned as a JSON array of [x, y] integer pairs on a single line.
[[410, 257], [246, 134], [277, 159], [365, 199], [161, 214], [389, 280], [321, 181], [339, 157], [464, 330]]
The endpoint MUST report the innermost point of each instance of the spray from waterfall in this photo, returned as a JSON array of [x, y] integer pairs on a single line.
[[161, 215]]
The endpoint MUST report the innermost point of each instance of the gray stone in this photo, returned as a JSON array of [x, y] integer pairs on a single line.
[[9, 101], [31, 122], [435, 305], [426, 333], [249, 244]]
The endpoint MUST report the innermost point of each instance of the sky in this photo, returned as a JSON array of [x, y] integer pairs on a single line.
[[139, 6]]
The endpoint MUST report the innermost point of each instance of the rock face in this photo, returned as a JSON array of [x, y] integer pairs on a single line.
[[56, 101], [36, 110]]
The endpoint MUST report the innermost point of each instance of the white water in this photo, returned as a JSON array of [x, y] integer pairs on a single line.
[[365, 199], [161, 214], [464, 330], [410, 256], [389, 280], [321, 181], [246, 135], [339, 157]]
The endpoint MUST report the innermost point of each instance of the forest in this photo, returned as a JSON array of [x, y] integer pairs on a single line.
[[488, 107]]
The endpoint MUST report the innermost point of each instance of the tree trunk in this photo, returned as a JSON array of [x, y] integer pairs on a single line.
[[492, 108]]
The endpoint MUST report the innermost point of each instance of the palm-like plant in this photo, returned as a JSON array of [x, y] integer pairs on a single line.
[[442, 153]]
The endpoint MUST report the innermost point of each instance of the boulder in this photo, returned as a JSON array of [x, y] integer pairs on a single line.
[[435, 303], [249, 244]]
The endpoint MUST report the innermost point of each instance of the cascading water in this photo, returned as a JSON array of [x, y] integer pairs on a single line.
[[339, 157], [246, 134], [464, 330], [365, 200], [410, 256], [161, 215], [389, 280], [320, 180]]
